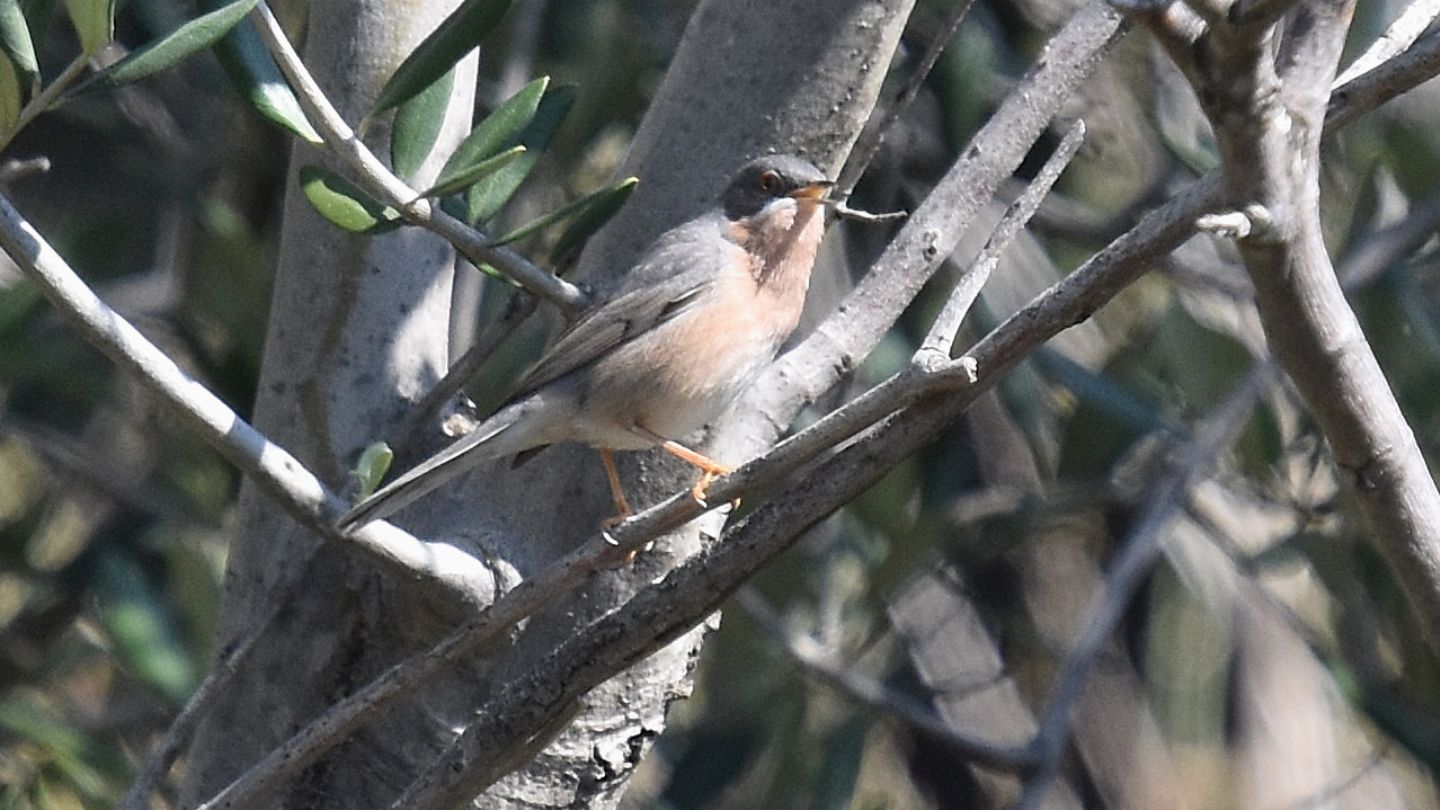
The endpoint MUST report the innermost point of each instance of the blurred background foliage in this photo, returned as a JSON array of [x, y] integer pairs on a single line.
[[1270, 659]]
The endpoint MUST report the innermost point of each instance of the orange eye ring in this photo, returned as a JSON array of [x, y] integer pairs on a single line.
[[770, 182]]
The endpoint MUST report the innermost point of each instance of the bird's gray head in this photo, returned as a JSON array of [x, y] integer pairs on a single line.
[[773, 177]]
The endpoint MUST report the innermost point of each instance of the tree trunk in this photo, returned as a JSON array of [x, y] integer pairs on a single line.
[[357, 333]]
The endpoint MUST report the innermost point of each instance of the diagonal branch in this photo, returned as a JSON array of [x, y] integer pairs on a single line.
[[454, 574], [1268, 112], [692, 592], [1129, 569], [934, 229], [868, 144], [941, 338], [824, 666], [1415, 20]]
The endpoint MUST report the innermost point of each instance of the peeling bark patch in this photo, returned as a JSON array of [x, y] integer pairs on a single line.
[[617, 759]]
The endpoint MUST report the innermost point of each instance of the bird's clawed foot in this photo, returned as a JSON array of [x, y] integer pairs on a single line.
[[710, 469], [699, 492]]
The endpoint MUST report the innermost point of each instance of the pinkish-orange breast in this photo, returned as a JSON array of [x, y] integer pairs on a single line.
[[693, 366], [782, 251]]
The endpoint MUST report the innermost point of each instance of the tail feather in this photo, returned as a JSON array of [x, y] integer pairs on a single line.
[[498, 436]]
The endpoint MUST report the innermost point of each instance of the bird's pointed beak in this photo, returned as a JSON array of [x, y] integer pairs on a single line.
[[813, 192]]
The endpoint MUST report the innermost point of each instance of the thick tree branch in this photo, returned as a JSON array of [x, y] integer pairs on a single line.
[[931, 233], [1352, 99], [344, 718], [693, 591], [1268, 113], [1415, 20]]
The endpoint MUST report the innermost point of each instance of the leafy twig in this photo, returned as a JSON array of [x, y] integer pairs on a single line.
[[372, 174]]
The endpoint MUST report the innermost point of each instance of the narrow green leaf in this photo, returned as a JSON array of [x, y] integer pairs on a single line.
[[374, 462], [253, 73], [494, 272], [604, 206], [417, 125], [343, 203], [456, 36], [173, 48], [94, 22], [486, 199], [605, 198], [16, 43], [500, 129], [468, 176], [10, 95]]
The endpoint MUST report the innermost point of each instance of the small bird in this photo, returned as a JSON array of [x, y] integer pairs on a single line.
[[688, 329]]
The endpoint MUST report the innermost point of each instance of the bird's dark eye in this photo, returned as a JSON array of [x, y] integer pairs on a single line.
[[770, 182]]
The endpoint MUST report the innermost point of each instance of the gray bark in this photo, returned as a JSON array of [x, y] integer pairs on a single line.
[[357, 334], [348, 312], [1264, 85], [749, 78]]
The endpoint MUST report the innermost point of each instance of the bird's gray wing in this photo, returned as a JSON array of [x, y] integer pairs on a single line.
[[504, 433], [674, 272], [599, 331], [612, 324]]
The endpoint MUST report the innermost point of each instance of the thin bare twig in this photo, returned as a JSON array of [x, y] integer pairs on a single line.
[[163, 755], [1418, 64], [377, 179], [844, 211], [516, 312], [1129, 569], [870, 693], [1379, 250], [18, 169], [45, 99], [943, 330]]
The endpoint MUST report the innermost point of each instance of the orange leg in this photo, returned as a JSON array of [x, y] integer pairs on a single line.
[[709, 467], [617, 492]]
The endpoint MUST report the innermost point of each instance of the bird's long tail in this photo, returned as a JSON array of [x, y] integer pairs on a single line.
[[496, 437]]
